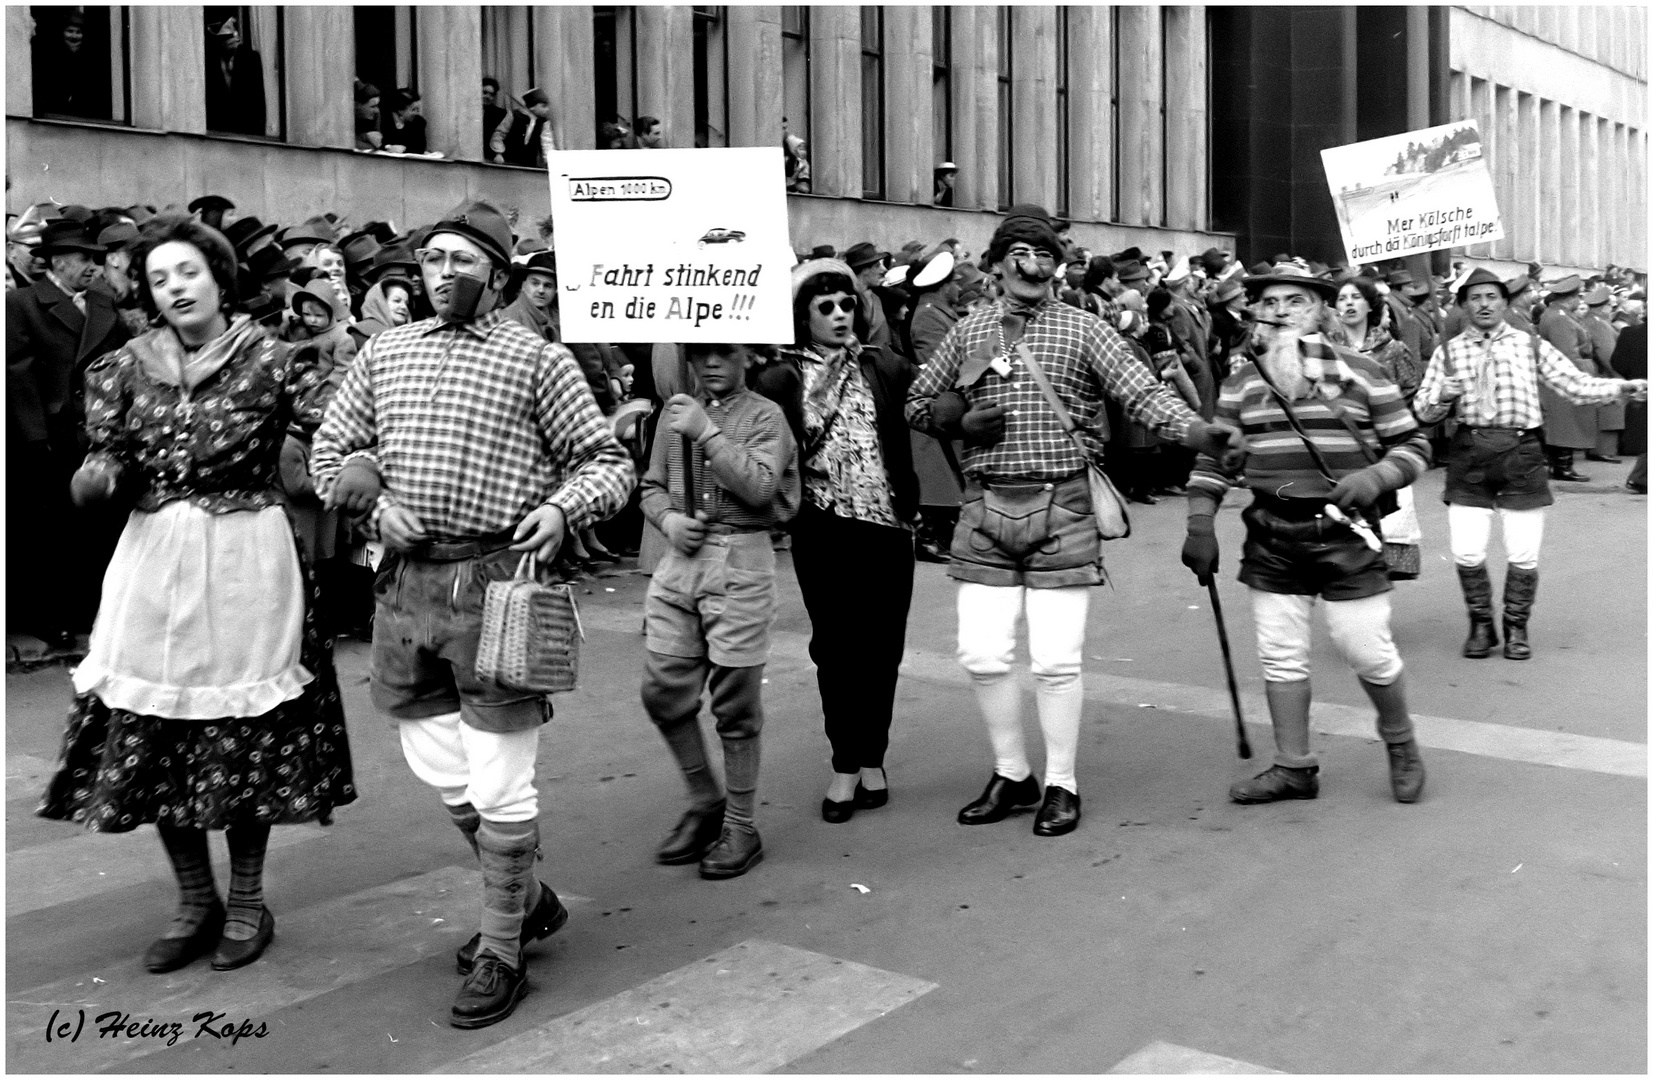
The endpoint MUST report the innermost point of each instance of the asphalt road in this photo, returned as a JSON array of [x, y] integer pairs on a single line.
[[1497, 926]]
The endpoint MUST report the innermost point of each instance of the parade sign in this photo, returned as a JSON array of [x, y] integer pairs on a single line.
[[1408, 194], [672, 245]]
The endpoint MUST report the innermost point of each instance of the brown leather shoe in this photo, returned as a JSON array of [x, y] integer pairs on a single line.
[[1406, 773], [1277, 782], [490, 993], [696, 831], [548, 916], [736, 851]]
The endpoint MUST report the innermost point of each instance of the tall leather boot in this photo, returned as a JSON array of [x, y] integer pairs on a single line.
[[499, 978], [1477, 588], [1520, 587], [1561, 466], [1394, 724], [1293, 774]]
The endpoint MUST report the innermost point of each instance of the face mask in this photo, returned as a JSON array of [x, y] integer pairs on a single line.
[[1033, 270], [465, 295]]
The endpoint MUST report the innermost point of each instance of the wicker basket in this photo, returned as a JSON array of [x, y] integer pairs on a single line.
[[531, 634]]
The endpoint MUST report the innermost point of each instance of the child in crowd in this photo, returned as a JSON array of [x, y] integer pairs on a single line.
[[724, 472]]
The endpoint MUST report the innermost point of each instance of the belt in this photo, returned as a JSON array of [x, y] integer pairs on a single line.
[[454, 550], [1025, 485]]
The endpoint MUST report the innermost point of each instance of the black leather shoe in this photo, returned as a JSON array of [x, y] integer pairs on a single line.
[[232, 954], [698, 830], [868, 799], [490, 993], [836, 813], [999, 798], [170, 954], [1569, 474], [1058, 814], [736, 851], [1277, 782], [546, 919]]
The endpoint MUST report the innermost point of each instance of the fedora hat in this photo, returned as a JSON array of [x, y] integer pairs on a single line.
[[269, 262], [359, 249], [863, 255], [1130, 270], [116, 236], [1598, 296], [1481, 276], [1227, 289], [480, 222], [244, 231], [542, 262], [316, 230], [63, 235], [392, 259], [210, 202], [1290, 274]]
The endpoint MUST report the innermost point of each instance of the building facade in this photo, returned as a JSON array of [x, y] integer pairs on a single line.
[[1165, 127]]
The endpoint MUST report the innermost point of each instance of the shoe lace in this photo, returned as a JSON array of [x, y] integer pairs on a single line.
[[486, 975]]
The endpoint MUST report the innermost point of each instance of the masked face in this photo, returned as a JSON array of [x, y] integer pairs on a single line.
[[1027, 272], [1295, 306], [832, 319]]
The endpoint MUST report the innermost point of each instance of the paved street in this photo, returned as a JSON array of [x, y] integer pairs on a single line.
[[1497, 926]]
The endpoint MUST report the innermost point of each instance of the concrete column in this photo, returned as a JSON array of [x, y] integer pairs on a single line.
[[1567, 35], [168, 88], [756, 93], [1033, 103], [1141, 142], [1638, 207], [1570, 187], [1591, 225], [1619, 181], [19, 62], [1480, 105], [1505, 162], [564, 66], [1417, 67], [1461, 109], [450, 77], [1549, 181], [985, 74], [665, 70], [1525, 209], [320, 90], [968, 104], [1090, 113], [404, 45], [909, 118], [835, 92], [1186, 198], [1589, 43]]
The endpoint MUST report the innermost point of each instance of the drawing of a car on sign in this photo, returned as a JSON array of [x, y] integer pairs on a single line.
[[721, 236]]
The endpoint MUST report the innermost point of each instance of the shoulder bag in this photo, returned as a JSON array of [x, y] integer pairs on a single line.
[[1112, 522]]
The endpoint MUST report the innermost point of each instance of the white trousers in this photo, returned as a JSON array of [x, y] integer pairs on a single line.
[[1359, 628], [493, 772], [1471, 530], [1055, 645]]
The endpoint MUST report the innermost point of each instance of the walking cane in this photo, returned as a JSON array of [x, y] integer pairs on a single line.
[[1244, 744], [688, 476]]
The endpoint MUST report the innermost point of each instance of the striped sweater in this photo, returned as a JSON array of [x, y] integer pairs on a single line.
[[1278, 463], [745, 469]]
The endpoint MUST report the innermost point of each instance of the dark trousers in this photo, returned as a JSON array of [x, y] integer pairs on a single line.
[[857, 581]]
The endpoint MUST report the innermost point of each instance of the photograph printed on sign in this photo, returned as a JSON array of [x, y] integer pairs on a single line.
[[675, 245]]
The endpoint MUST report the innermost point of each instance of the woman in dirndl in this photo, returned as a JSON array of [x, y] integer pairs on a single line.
[[208, 699]]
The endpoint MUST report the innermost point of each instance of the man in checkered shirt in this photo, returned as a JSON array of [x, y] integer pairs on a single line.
[[1491, 374], [490, 448], [1026, 534]]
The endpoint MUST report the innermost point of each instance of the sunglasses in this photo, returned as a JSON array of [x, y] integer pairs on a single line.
[[846, 304]]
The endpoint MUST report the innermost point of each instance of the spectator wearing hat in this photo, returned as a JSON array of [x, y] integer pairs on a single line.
[[1027, 536], [1295, 395], [1629, 361], [1492, 376], [936, 285], [248, 234], [117, 241], [946, 177], [508, 459], [530, 136], [298, 240], [235, 81], [1230, 326], [404, 125], [209, 210], [1568, 426], [869, 264], [1604, 338], [55, 328]]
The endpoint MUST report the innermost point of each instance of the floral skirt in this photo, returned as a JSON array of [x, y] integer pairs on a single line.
[[121, 769]]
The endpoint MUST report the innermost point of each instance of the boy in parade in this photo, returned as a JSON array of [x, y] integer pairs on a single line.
[[723, 474]]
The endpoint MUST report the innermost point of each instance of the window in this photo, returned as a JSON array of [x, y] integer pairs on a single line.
[[795, 119], [872, 102], [711, 77], [244, 48], [941, 85], [1063, 150], [1006, 174], [78, 56], [614, 43]]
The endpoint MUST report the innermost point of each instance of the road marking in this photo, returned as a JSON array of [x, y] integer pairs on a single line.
[[317, 949], [748, 1009], [1504, 741], [86, 864], [1169, 1059]]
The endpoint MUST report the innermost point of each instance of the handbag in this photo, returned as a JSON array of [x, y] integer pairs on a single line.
[[1108, 507], [531, 634]]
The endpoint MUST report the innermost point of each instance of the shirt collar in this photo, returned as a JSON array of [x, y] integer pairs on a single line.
[[479, 328], [73, 294]]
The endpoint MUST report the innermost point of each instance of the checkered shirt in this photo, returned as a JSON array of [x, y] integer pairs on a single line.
[[1492, 377], [472, 426], [1082, 357]]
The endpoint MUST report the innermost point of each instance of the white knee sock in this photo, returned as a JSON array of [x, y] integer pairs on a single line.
[[1060, 700], [1000, 699]]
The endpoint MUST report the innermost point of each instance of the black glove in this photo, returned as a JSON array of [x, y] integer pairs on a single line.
[[1224, 444], [946, 410], [984, 425], [1199, 551], [357, 488], [1361, 488]]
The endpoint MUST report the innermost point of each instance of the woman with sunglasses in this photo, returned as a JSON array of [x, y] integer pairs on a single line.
[[843, 400]]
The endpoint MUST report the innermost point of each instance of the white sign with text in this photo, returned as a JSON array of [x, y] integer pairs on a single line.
[[1407, 194], [672, 245]]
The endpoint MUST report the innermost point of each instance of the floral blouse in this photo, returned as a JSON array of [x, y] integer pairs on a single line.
[[841, 459], [208, 429]]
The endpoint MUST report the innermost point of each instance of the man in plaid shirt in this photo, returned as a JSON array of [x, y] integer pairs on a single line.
[[490, 449], [1491, 374], [1026, 533], [1327, 435]]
